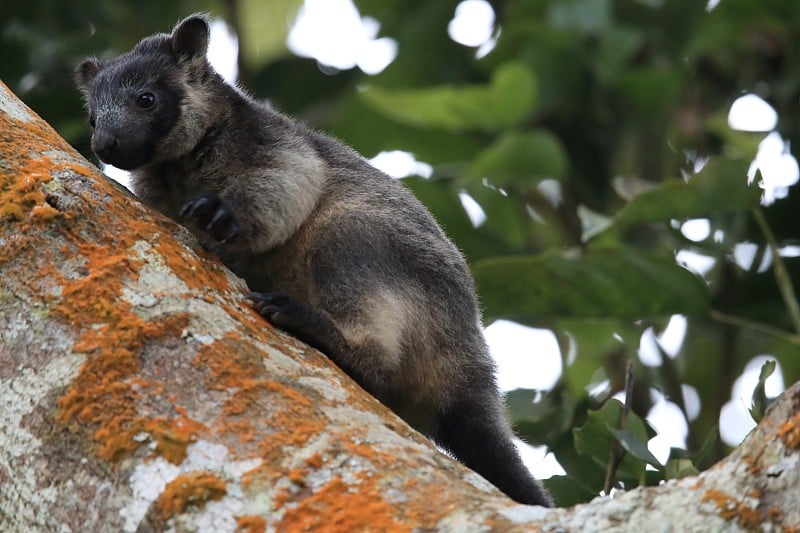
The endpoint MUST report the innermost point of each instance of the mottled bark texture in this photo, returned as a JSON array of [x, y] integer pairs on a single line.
[[139, 391]]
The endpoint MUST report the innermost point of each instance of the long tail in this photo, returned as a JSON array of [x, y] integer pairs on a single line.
[[480, 437]]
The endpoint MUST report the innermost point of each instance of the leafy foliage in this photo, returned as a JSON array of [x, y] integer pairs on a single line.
[[505, 101], [603, 282], [759, 404], [588, 135]]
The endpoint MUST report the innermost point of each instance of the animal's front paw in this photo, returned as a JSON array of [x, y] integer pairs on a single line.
[[208, 213], [310, 326], [281, 310]]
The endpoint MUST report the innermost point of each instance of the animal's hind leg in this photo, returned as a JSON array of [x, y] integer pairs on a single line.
[[366, 362]]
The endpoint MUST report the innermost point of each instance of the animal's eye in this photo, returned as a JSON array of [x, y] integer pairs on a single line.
[[91, 121], [146, 100]]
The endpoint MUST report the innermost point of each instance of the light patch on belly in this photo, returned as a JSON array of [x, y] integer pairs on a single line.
[[385, 318]]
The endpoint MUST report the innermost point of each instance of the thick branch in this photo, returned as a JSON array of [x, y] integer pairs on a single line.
[[139, 391]]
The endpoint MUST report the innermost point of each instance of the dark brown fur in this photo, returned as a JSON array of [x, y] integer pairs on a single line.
[[335, 251]]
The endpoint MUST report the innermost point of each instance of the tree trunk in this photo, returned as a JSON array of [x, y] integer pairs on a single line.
[[138, 391]]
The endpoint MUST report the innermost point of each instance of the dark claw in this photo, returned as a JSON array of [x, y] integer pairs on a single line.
[[268, 304], [210, 214], [218, 216], [291, 316], [190, 208], [278, 308], [234, 231]]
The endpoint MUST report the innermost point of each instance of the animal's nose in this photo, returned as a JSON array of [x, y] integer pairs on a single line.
[[104, 144]]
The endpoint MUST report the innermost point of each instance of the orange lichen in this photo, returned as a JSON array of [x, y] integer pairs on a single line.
[[19, 197], [231, 374], [251, 524], [23, 139], [172, 437], [291, 394], [225, 372], [119, 397], [292, 422], [195, 488], [376, 457], [281, 498], [789, 432], [23, 202], [292, 433], [774, 515], [298, 476], [80, 169], [22, 196], [751, 460], [199, 270], [338, 507], [105, 391], [730, 508], [315, 461], [430, 501], [109, 396]]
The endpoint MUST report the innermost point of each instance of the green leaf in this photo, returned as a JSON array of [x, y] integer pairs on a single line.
[[442, 199], [744, 143], [262, 28], [580, 468], [603, 283], [566, 491], [503, 233], [519, 158], [585, 16], [507, 101], [520, 404], [674, 466], [506, 222], [539, 417], [592, 223], [357, 123], [634, 445], [594, 440], [680, 468], [617, 47], [649, 92], [759, 403], [707, 446], [720, 187], [591, 342]]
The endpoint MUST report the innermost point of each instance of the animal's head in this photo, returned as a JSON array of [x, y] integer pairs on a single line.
[[149, 104]]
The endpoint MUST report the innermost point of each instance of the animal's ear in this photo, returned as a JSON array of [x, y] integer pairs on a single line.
[[190, 36], [86, 73]]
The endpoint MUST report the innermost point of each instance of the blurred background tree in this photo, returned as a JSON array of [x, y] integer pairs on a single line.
[[590, 157]]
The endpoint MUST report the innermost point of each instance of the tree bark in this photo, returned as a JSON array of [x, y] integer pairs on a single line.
[[139, 392]]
